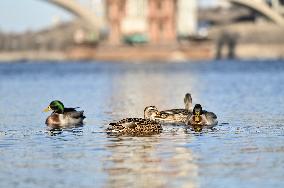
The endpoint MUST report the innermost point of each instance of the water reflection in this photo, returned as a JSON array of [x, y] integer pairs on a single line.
[[76, 130], [150, 162], [136, 89]]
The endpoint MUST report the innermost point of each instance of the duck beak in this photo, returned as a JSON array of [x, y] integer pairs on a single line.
[[47, 109], [197, 117]]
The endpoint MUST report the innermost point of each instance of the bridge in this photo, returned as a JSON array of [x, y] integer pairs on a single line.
[[74, 7], [262, 8], [91, 20]]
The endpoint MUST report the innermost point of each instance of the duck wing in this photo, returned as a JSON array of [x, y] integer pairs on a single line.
[[70, 109], [131, 123], [210, 114], [211, 118], [73, 113], [123, 124], [135, 127], [176, 111], [127, 123]]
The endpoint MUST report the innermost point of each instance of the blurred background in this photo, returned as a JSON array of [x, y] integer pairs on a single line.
[[141, 29]]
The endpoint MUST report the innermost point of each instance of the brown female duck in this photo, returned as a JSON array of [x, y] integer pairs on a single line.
[[173, 115], [136, 126]]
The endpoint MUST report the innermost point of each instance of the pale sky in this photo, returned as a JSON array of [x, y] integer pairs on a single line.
[[22, 15]]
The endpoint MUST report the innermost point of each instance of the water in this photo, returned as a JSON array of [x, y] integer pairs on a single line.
[[245, 150]]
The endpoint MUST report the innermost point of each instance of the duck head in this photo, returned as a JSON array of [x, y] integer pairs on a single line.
[[56, 106], [197, 112], [188, 102], [150, 112]]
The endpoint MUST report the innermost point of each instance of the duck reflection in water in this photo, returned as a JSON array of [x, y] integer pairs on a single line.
[[152, 161], [75, 129]]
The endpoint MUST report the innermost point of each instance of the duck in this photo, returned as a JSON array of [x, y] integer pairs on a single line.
[[136, 126], [201, 119], [63, 117], [173, 115]]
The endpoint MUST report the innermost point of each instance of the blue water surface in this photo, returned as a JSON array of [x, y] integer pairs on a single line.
[[245, 150]]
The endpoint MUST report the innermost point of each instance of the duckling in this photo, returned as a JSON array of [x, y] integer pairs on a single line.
[[173, 115], [63, 117], [136, 126], [201, 118]]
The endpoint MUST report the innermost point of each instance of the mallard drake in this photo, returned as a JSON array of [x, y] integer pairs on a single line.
[[201, 118], [172, 115], [136, 126], [63, 117]]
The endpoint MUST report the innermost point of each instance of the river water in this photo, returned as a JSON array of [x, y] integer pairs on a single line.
[[246, 149]]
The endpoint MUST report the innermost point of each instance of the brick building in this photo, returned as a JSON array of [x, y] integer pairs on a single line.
[[161, 21]]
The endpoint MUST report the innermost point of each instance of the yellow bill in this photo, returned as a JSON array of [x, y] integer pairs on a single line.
[[47, 109], [196, 118]]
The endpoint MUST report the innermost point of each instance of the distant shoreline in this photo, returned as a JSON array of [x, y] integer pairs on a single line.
[[204, 52]]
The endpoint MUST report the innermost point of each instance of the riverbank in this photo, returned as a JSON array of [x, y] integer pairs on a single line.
[[194, 52], [119, 53]]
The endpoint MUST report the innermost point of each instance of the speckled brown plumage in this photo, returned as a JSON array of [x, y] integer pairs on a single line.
[[134, 127], [172, 116]]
